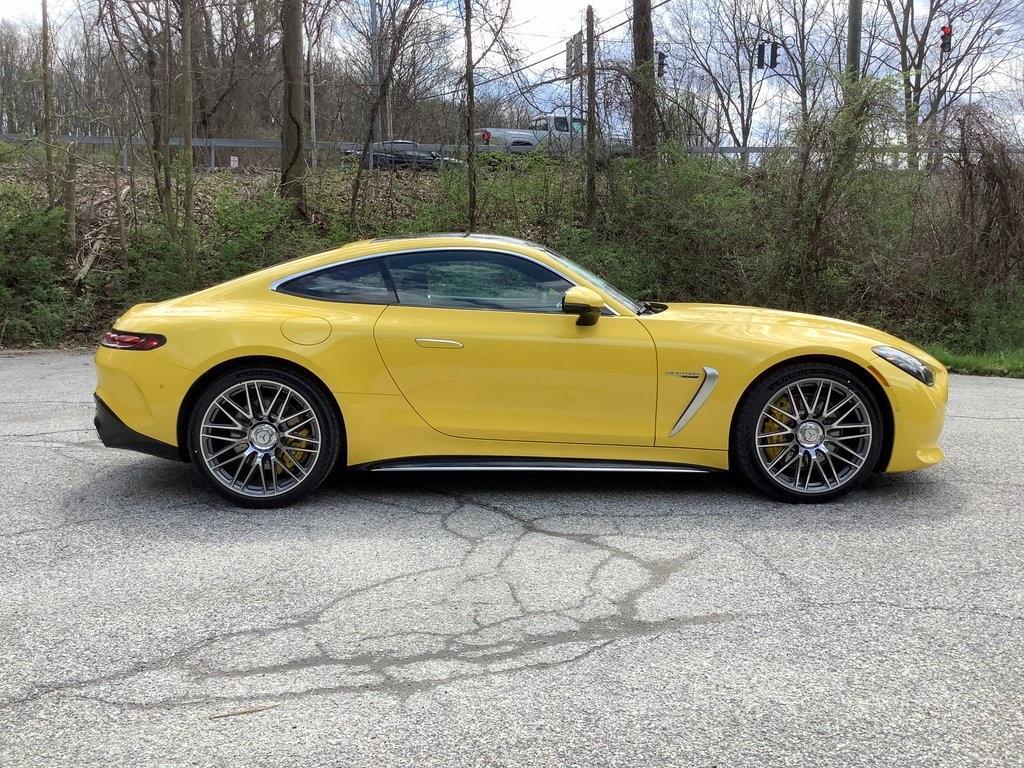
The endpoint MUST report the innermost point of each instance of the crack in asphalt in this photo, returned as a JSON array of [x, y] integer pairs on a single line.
[[461, 654], [984, 418], [493, 622], [579, 638]]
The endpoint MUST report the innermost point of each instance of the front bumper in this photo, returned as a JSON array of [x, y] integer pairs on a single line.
[[114, 433], [918, 416]]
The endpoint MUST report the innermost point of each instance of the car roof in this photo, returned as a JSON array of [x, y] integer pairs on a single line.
[[382, 246], [468, 236]]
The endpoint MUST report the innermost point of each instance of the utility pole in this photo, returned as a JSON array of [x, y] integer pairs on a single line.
[[590, 131], [855, 21], [470, 119], [644, 107]]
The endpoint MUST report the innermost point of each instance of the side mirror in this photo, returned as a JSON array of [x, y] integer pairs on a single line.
[[584, 302]]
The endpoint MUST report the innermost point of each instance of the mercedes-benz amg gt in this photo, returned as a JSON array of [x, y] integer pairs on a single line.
[[482, 352]]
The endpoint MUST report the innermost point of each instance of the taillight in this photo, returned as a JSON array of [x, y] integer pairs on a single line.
[[139, 341]]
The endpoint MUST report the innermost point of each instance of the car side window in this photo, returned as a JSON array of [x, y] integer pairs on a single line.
[[476, 280], [561, 124], [357, 282], [540, 124]]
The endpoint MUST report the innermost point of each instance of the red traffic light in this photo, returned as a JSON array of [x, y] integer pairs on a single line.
[[947, 30]]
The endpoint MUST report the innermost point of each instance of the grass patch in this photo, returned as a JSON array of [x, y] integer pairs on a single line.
[[1006, 363]]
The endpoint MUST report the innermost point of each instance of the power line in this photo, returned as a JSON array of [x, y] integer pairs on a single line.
[[546, 59]]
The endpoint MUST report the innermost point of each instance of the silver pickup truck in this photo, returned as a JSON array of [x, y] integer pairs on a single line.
[[550, 133]]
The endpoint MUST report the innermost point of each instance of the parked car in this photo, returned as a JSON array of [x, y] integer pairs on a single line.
[[401, 154], [480, 352]]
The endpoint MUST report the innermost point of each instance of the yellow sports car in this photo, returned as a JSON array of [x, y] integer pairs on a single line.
[[484, 352]]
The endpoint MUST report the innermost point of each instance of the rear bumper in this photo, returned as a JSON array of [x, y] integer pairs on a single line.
[[114, 433]]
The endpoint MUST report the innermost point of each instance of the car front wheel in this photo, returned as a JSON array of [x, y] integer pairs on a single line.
[[808, 433], [263, 437]]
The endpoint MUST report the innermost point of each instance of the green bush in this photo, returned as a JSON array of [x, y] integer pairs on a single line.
[[243, 236], [835, 231], [33, 303]]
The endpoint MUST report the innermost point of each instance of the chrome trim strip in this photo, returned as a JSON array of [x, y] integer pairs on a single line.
[[277, 283], [439, 343], [527, 466], [702, 394]]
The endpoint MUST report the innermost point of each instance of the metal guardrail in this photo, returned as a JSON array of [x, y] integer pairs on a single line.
[[223, 143], [213, 144]]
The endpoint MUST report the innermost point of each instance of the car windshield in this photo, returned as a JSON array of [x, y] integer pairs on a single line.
[[600, 282]]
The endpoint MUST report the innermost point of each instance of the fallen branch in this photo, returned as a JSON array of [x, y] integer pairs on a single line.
[[90, 259]]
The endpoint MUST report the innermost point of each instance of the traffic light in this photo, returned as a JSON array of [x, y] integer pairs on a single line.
[[768, 56], [662, 63], [947, 38]]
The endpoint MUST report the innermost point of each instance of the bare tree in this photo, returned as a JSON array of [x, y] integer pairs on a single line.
[[395, 30], [719, 38], [47, 67], [810, 32], [293, 158], [986, 34], [188, 110]]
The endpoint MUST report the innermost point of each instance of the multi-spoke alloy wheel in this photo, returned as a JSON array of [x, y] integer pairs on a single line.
[[263, 438], [808, 434]]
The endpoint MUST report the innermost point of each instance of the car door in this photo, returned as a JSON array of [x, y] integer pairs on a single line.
[[480, 348]]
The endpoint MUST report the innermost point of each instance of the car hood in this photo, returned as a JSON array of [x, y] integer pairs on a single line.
[[841, 330]]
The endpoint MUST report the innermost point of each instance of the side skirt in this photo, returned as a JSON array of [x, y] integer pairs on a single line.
[[507, 464]]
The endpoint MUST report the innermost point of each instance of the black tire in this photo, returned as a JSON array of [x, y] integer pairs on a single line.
[[835, 465], [299, 451]]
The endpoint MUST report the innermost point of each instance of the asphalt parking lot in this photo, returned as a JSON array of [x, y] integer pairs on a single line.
[[503, 620]]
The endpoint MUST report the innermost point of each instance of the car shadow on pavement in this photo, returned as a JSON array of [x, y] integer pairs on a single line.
[[714, 495], [157, 489]]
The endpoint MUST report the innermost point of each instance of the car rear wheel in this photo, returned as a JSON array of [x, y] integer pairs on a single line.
[[808, 433], [264, 437]]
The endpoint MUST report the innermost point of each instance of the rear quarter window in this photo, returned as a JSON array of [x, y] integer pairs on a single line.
[[360, 282]]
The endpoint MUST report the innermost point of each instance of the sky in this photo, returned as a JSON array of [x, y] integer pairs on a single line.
[[540, 29], [539, 24]]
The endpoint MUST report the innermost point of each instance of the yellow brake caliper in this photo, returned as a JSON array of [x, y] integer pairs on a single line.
[[770, 427]]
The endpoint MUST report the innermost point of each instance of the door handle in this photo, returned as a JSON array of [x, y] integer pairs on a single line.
[[439, 343]]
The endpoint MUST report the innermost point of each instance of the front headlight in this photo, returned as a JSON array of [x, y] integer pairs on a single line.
[[908, 363]]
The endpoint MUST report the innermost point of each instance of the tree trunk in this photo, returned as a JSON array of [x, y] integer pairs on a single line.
[[70, 201], [470, 119], [118, 204], [171, 212], [910, 115], [644, 107], [591, 135], [293, 111], [51, 191], [156, 125], [187, 110]]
